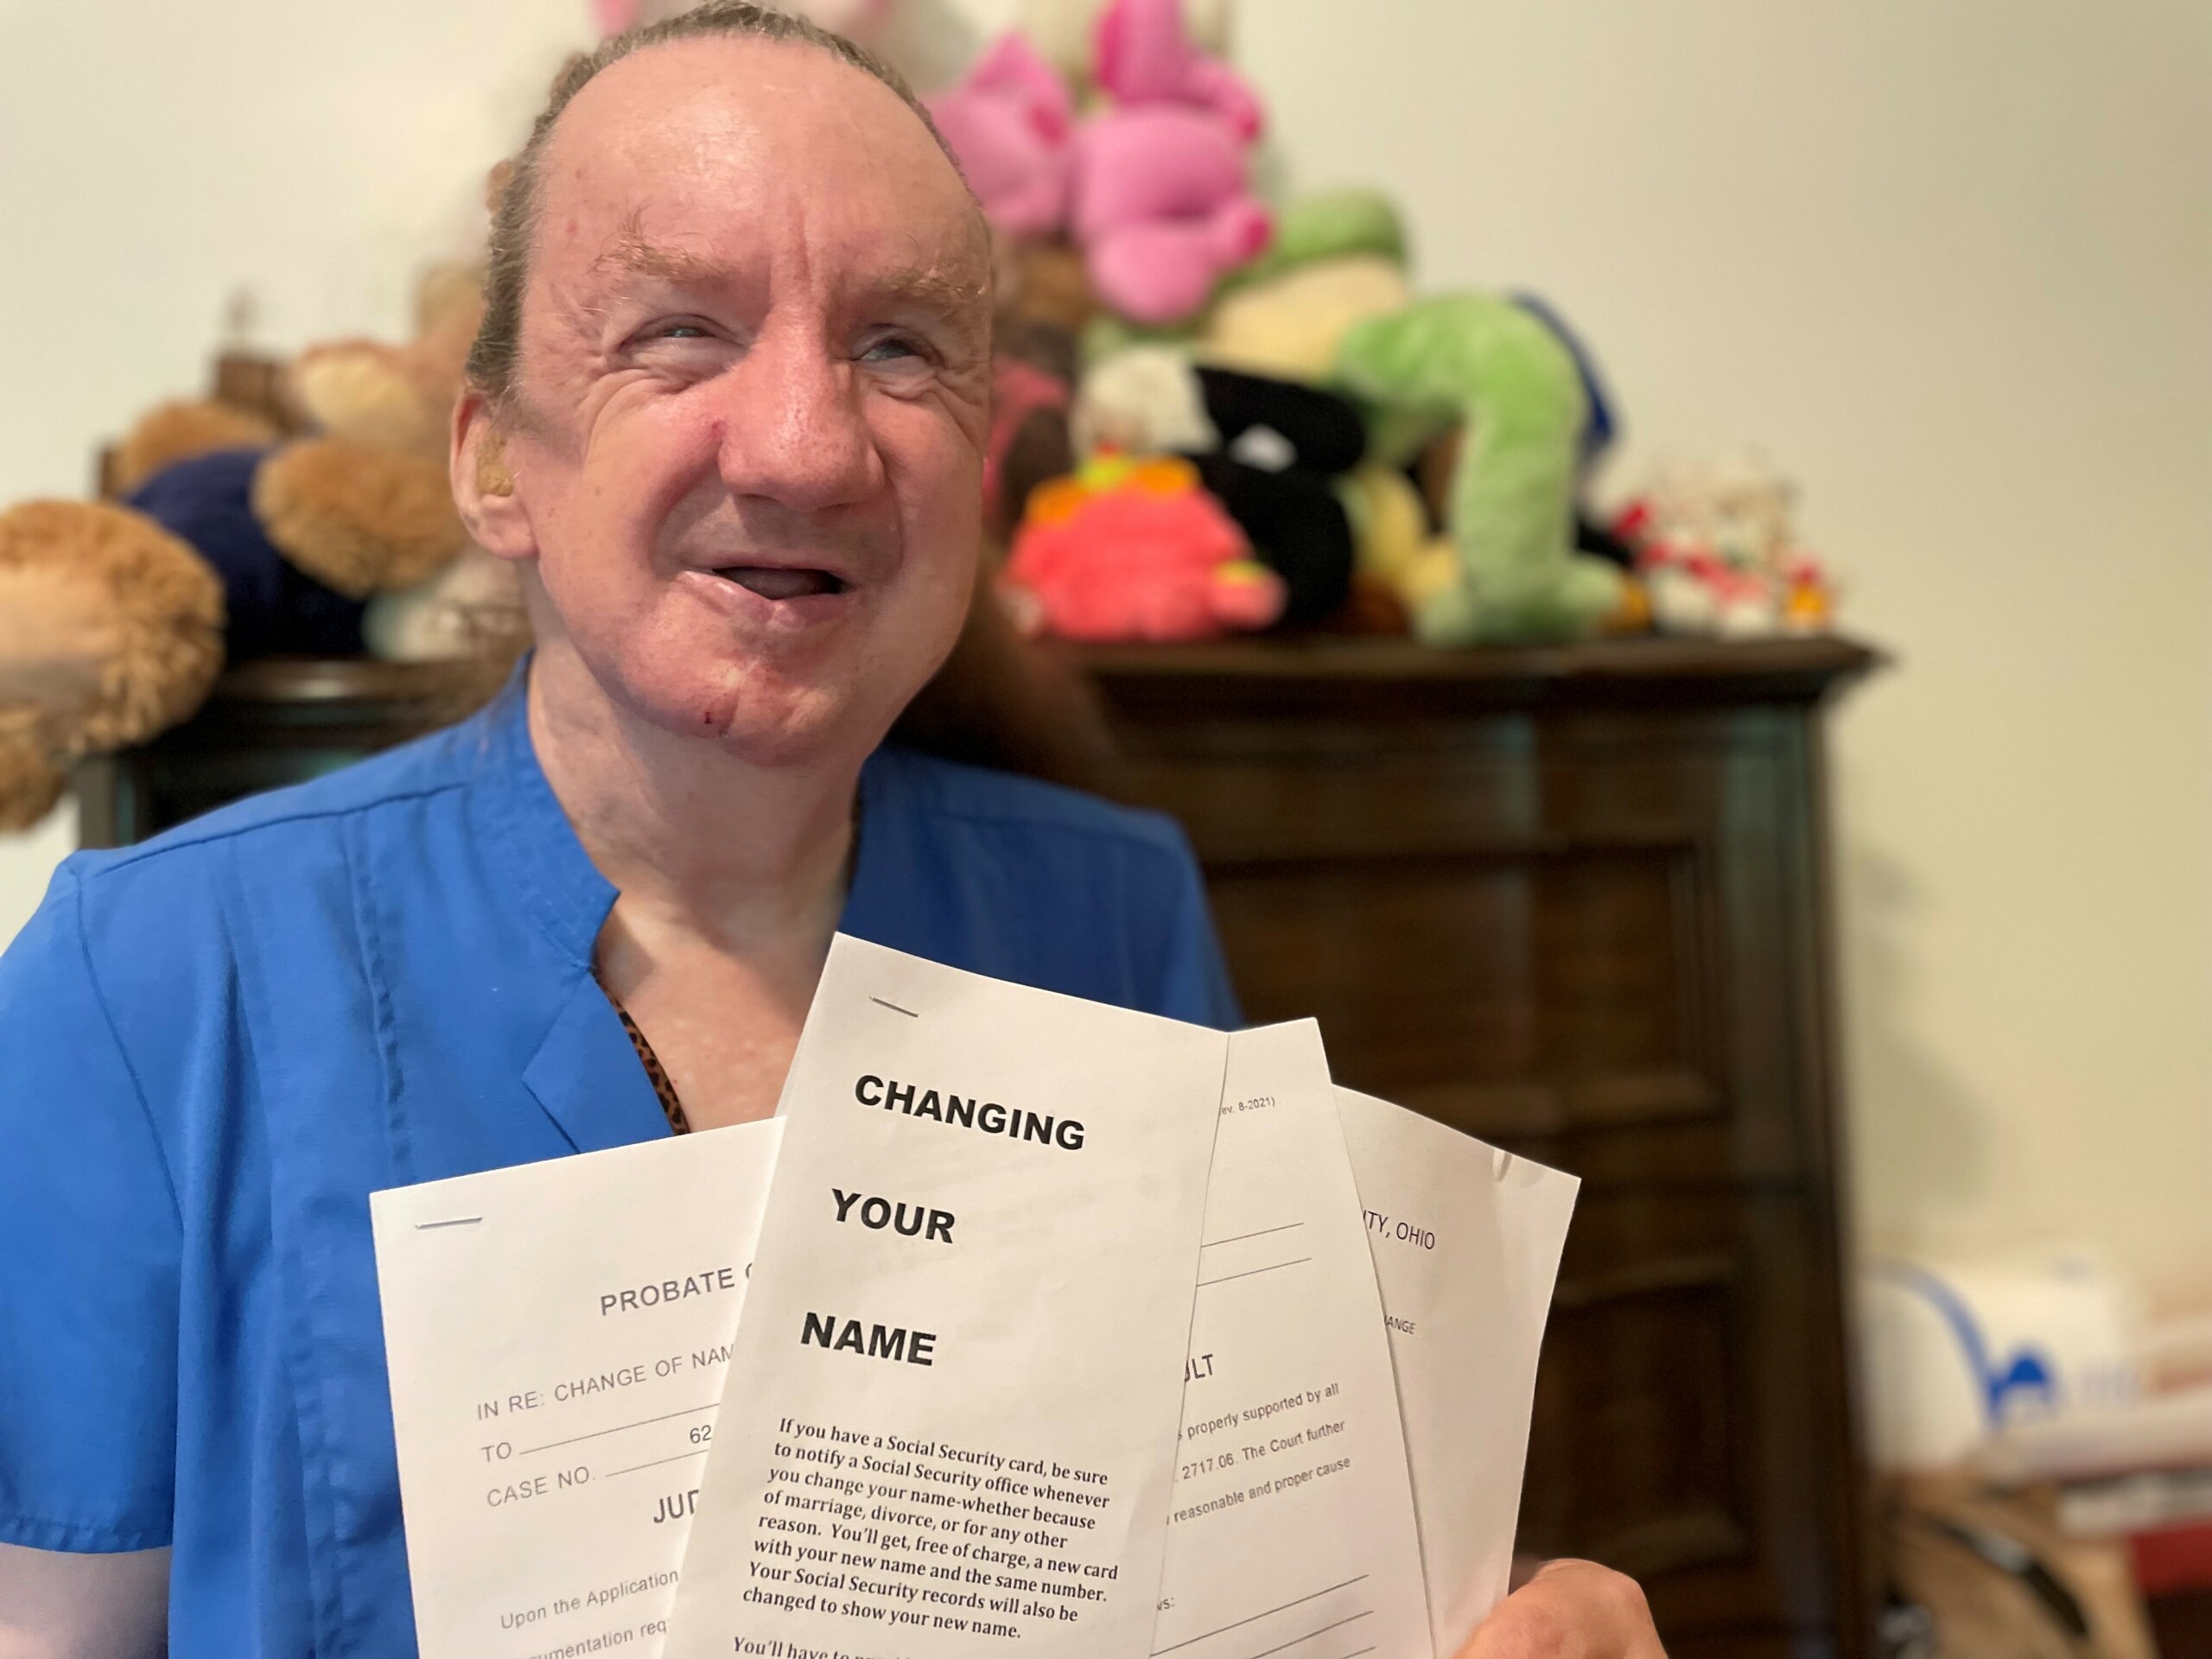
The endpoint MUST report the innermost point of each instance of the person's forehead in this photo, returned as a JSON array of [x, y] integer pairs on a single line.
[[693, 136]]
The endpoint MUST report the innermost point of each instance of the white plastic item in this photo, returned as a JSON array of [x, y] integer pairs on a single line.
[[1951, 1354], [2160, 1432]]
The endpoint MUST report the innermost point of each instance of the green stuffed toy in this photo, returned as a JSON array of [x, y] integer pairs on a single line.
[[1331, 225], [1488, 365]]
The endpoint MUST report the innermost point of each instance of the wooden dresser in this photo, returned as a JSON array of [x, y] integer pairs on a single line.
[[1573, 901]]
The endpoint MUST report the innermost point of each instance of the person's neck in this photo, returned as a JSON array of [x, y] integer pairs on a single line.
[[742, 855]]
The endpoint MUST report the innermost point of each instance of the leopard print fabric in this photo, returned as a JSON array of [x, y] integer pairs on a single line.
[[663, 1089]]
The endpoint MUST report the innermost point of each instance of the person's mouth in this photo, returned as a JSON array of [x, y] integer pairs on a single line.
[[782, 581]]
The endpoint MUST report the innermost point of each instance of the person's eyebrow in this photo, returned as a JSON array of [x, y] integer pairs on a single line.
[[918, 285], [636, 255]]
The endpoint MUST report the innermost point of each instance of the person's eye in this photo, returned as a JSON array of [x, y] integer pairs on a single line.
[[893, 348], [679, 330]]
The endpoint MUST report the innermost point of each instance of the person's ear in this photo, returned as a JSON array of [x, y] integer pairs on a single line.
[[484, 483]]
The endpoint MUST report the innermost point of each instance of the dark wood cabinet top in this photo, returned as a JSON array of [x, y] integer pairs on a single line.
[[1810, 661], [1613, 671]]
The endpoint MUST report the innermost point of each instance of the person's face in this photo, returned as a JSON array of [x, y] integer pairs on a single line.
[[745, 453]]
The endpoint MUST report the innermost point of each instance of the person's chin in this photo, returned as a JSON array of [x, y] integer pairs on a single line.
[[767, 702]]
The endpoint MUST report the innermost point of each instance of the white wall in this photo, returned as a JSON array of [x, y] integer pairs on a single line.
[[1951, 265], [156, 159]]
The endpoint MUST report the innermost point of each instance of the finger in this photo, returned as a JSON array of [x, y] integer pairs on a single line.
[[1570, 1610]]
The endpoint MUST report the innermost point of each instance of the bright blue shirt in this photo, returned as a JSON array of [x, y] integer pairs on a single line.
[[214, 1045]]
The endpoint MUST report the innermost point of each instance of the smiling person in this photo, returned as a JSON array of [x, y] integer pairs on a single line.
[[727, 417]]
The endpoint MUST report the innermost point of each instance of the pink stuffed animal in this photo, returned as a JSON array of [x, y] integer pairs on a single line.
[[1144, 55], [1011, 123], [1163, 206], [1162, 209], [1155, 188]]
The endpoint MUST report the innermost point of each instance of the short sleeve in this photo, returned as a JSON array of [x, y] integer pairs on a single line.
[[1194, 980], [89, 1249]]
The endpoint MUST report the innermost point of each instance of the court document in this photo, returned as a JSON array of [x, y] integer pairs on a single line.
[[1467, 1243], [948, 1426], [1291, 1528], [556, 1335]]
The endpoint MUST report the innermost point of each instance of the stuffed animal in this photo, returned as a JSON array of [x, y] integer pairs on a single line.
[[1029, 440], [1282, 448], [1066, 31], [238, 533], [1343, 224], [1396, 552], [1145, 55], [111, 631], [1163, 206], [1143, 400], [1497, 370], [1268, 450], [1336, 260], [1290, 326], [471, 609], [1041, 284], [1134, 549], [1012, 124], [1154, 186], [1716, 546]]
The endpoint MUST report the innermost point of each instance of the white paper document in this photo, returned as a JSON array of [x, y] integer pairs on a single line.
[[1291, 1528], [556, 1335], [948, 1426], [1467, 1243]]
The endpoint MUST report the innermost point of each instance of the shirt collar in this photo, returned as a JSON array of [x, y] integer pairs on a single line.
[[563, 889]]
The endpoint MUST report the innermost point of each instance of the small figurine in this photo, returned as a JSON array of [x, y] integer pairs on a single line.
[[1717, 548]]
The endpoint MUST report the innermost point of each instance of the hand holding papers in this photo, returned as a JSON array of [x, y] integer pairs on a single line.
[[1012, 1243]]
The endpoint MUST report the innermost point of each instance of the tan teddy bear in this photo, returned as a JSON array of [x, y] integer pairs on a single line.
[[235, 530]]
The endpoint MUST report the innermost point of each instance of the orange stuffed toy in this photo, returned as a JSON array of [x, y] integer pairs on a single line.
[[1131, 549]]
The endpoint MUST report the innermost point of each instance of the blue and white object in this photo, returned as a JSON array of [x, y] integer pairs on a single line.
[[1953, 1354]]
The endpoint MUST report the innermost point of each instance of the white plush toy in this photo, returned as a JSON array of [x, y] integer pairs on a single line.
[[475, 600], [1142, 400], [1717, 546]]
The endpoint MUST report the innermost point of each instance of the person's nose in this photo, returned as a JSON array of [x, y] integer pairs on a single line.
[[794, 427]]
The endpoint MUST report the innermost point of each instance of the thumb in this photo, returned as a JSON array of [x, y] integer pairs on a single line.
[[1570, 1610]]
